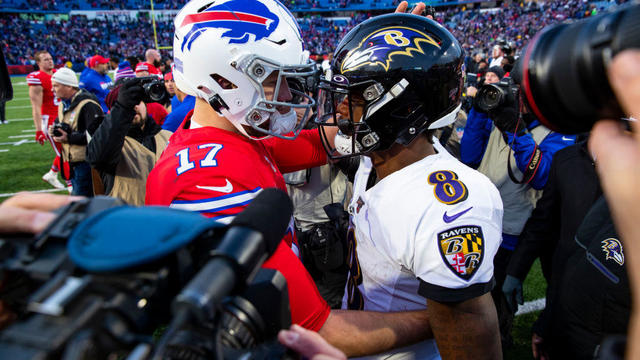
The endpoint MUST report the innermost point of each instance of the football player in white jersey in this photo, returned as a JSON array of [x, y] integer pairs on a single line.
[[424, 227]]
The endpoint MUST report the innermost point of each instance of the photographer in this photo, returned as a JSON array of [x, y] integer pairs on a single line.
[[492, 143], [127, 144], [78, 115]]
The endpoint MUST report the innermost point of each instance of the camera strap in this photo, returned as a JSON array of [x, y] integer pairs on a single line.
[[534, 161], [531, 169]]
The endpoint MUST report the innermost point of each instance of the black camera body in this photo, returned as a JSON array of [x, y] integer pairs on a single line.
[[65, 311], [61, 126], [491, 97], [154, 89]]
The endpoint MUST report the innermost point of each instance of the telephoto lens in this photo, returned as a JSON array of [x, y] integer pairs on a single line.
[[490, 97], [564, 69], [155, 90]]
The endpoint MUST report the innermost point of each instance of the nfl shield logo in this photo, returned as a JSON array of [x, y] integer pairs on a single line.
[[462, 250]]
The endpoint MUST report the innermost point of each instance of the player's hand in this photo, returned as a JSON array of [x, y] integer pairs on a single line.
[[417, 10], [131, 94], [41, 137], [309, 344], [29, 212], [512, 290], [538, 347]]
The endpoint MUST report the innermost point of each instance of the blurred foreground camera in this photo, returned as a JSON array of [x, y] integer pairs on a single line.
[[562, 72], [493, 96], [154, 90]]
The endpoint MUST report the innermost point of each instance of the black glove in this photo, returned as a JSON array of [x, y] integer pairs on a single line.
[[130, 94], [507, 120], [512, 289]]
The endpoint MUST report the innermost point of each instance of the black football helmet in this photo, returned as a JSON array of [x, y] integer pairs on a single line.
[[392, 77]]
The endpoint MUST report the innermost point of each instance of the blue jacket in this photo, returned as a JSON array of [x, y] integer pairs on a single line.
[[178, 113], [476, 136], [98, 84]]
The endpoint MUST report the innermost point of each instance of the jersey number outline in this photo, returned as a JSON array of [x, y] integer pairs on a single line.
[[355, 301], [448, 189], [209, 160]]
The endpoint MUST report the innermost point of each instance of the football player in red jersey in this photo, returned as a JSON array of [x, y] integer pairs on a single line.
[[152, 61], [242, 133], [44, 109]]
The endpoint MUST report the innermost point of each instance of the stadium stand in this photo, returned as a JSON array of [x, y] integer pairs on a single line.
[[75, 38]]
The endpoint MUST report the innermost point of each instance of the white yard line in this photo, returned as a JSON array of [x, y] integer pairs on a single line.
[[531, 306], [4, 150], [34, 191], [19, 136], [22, 119], [16, 143], [18, 107]]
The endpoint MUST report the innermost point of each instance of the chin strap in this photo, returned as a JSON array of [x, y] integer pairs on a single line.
[[217, 103]]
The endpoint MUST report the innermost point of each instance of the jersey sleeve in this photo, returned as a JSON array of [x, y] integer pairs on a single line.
[[455, 262], [305, 152], [33, 79], [456, 240], [308, 308]]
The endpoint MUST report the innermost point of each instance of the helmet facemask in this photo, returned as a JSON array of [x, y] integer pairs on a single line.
[[269, 80], [357, 110]]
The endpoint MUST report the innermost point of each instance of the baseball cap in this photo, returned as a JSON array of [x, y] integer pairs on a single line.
[[97, 59], [168, 76], [65, 76]]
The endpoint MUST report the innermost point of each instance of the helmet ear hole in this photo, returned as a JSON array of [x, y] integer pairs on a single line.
[[223, 82]]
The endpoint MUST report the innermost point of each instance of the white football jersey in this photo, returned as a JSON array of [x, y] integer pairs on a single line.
[[429, 230]]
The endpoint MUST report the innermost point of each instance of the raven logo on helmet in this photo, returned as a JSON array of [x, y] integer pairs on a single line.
[[378, 48], [241, 18]]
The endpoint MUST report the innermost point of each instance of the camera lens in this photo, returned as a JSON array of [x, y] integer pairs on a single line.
[[156, 91], [564, 76], [489, 97]]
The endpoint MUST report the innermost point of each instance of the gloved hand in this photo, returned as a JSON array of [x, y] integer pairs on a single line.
[[507, 120], [130, 94], [41, 137], [512, 290]]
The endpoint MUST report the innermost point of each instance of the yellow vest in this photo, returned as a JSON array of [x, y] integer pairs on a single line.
[[70, 152], [134, 167]]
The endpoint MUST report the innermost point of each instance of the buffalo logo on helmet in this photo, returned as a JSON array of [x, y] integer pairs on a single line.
[[241, 18], [462, 249], [613, 250], [381, 46]]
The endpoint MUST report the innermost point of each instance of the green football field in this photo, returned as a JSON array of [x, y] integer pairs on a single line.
[[23, 162]]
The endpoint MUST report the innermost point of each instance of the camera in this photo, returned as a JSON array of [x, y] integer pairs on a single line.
[[563, 71], [83, 290], [493, 96], [154, 90], [61, 126]]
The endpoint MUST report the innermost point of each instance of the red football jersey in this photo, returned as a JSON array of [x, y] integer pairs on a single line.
[[49, 101], [217, 173], [153, 70]]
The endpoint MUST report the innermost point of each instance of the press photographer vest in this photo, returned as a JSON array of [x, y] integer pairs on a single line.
[[518, 199], [134, 168], [70, 152]]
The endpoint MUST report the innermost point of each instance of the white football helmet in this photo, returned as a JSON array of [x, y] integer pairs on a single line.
[[225, 49]]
